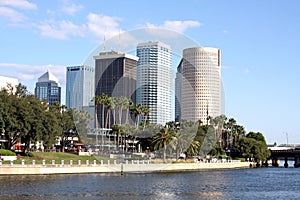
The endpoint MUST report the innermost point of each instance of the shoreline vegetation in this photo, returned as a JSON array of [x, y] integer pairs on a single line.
[[36, 130]]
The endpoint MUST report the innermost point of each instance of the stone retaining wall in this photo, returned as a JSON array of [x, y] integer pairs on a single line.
[[115, 168]]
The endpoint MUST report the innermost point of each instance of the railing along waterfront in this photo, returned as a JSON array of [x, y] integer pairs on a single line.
[[89, 163]]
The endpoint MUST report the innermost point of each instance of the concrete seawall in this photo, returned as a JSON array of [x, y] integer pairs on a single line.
[[116, 168]]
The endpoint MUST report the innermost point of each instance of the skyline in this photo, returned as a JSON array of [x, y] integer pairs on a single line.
[[258, 41]]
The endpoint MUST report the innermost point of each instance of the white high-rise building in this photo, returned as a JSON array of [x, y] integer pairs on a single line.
[[154, 79], [200, 77], [48, 88], [80, 86]]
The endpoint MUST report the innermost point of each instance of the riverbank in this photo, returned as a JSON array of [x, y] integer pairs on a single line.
[[116, 168]]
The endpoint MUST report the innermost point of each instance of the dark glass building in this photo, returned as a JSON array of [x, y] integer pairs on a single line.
[[115, 75], [48, 88]]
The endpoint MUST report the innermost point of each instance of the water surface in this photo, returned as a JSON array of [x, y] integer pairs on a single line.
[[264, 183]]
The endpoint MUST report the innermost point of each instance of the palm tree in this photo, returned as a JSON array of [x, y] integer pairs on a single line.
[[128, 105], [146, 110], [57, 106], [240, 130], [114, 106], [163, 139], [97, 100], [218, 123], [137, 111], [231, 123], [102, 100], [120, 104], [109, 105], [182, 143]]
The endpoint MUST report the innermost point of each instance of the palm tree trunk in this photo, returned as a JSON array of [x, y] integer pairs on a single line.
[[138, 120], [96, 123], [120, 114], [114, 116], [127, 116], [145, 121], [107, 118], [165, 153], [102, 117]]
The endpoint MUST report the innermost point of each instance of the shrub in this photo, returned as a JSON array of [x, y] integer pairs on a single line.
[[242, 159], [29, 154], [4, 152]]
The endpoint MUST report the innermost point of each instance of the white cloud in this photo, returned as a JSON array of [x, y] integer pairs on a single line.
[[178, 26], [22, 4], [61, 29], [11, 14], [97, 25], [100, 25], [71, 8], [26, 73]]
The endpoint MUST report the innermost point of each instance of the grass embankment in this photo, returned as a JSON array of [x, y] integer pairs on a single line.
[[57, 156]]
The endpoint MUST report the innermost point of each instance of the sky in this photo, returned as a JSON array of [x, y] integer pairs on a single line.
[[259, 41]]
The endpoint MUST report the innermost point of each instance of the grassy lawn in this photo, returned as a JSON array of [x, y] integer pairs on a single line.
[[58, 156]]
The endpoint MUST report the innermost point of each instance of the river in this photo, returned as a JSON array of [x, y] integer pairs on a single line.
[[263, 183]]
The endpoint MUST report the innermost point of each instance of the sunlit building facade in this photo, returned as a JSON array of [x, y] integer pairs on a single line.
[[200, 81], [154, 80], [79, 86]]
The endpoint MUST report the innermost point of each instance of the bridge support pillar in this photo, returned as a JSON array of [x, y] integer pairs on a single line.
[[297, 161], [275, 162], [286, 165]]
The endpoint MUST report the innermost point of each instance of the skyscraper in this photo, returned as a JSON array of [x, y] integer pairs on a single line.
[[154, 78], [48, 88], [178, 82], [115, 75], [79, 86], [200, 92]]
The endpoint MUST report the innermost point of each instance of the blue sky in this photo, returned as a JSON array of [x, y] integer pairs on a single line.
[[259, 42]]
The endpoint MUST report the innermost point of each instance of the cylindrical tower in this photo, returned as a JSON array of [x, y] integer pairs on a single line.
[[201, 83]]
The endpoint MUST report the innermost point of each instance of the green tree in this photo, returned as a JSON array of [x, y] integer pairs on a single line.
[[145, 110], [253, 146], [128, 105], [257, 136], [136, 111], [103, 101], [120, 105], [230, 125], [162, 139], [109, 105], [82, 120]]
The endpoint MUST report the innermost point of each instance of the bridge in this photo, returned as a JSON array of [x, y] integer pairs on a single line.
[[286, 153]]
